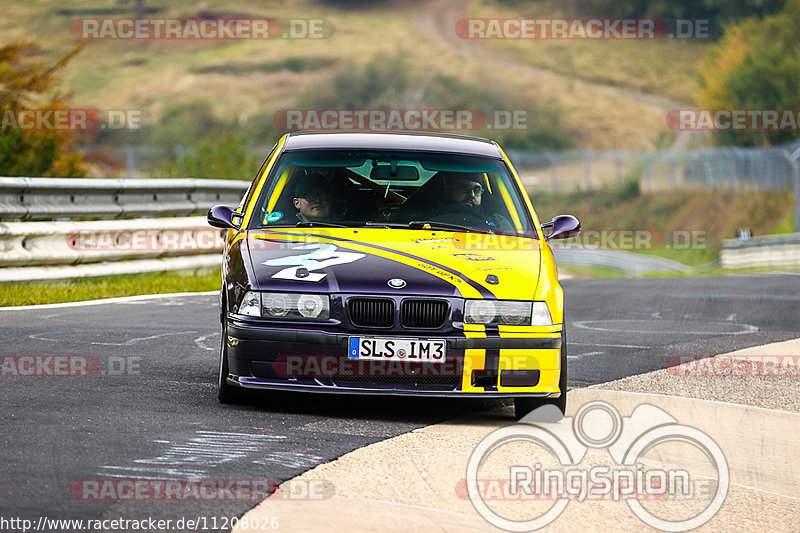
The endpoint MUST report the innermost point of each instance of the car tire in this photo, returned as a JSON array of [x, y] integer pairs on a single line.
[[523, 406], [227, 393]]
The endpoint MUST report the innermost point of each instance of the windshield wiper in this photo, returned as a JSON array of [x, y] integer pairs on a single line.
[[386, 225], [319, 225], [419, 224]]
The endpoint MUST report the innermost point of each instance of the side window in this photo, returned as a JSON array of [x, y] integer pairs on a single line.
[[245, 198], [248, 196]]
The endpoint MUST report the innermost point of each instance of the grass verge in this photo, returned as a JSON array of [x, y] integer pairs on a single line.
[[686, 225], [110, 287]]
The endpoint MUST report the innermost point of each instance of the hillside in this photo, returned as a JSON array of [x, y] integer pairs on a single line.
[[586, 94]]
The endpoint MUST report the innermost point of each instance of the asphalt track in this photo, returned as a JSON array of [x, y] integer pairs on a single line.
[[151, 412]]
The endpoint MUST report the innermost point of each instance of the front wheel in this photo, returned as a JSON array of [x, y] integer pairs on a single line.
[[226, 393], [523, 406]]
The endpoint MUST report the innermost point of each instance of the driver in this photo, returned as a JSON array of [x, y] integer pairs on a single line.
[[464, 196]]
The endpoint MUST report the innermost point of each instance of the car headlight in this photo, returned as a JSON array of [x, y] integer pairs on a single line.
[[276, 304], [507, 312], [541, 315], [312, 306], [286, 305], [251, 304]]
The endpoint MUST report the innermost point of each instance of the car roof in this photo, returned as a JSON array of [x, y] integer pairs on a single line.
[[392, 140]]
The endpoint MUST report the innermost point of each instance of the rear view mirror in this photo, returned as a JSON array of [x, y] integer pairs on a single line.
[[222, 216], [563, 227], [400, 173]]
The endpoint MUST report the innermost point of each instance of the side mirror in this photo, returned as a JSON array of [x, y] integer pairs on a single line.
[[221, 216], [563, 227]]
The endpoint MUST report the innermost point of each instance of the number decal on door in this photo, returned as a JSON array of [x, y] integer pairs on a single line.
[[323, 255]]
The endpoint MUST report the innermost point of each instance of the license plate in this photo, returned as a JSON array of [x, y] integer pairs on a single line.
[[392, 349]]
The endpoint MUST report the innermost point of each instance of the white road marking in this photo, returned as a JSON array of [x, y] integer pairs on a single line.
[[196, 456], [582, 355], [290, 459], [746, 328], [609, 345], [103, 301], [200, 342], [137, 339]]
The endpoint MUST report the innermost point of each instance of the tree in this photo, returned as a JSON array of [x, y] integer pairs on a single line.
[[756, 65], [27, 85]]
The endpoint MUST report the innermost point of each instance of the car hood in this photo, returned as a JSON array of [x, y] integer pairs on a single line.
[[379, 260]]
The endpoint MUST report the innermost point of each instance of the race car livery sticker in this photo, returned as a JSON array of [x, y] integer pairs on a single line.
[[425, 241], [474, 257], [302, 267], [462, 282]]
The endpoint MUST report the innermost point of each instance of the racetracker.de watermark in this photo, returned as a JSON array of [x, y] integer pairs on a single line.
[[734, 119], [634, 479], [734, 366], [400, 119], [583, 28], [60, 119], [145, 240], [215, 489], [72, 366], [596, 239], [199, 29]]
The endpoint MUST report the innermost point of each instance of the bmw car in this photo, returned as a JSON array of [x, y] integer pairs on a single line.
[[391, 263]]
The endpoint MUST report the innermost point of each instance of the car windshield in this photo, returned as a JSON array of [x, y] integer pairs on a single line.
[[392, 189]]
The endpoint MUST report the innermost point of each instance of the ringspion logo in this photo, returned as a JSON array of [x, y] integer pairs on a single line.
[[553, 469]]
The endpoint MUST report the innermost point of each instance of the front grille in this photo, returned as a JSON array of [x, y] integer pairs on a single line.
[[423, 314], [432, 383], [371, 312]]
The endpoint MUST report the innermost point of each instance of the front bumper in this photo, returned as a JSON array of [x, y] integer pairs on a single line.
[[501, 365]]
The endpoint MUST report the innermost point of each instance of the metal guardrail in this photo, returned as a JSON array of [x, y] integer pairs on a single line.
[[24, 244], [766, 251], [67, 198], [59, 249], [64, 250], [632, 264]]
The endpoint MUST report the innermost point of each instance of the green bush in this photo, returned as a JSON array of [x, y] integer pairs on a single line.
[[755, 66], [394, 83], [220, 155]]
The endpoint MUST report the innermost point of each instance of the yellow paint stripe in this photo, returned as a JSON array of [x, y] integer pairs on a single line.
[[261, 180], [277, 192], [525, 197], [510, 205], [465, 289], [474, 359]]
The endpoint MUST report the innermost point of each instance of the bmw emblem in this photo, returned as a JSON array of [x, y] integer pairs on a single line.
[[397, 283]]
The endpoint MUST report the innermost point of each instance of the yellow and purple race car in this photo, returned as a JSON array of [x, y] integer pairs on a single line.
[[391, 263]]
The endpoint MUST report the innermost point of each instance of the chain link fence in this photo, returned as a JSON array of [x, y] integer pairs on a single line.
[[739, 169], [715, 168]]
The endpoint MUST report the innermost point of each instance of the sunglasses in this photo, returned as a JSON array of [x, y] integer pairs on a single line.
[[463, 188], [316, 196]]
